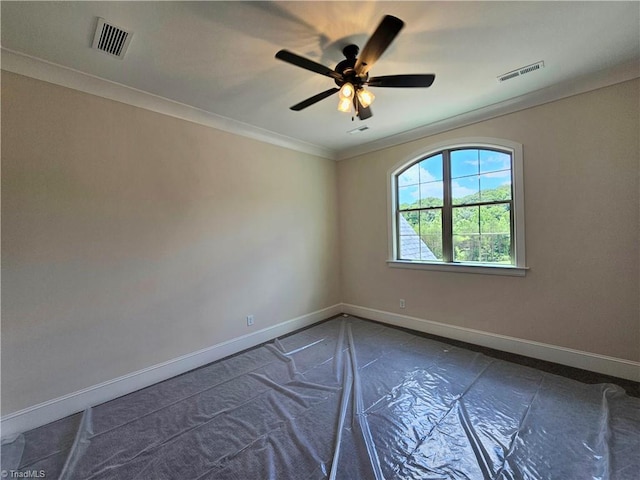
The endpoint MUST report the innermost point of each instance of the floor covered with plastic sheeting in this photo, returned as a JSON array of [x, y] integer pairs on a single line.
[[347, 399]]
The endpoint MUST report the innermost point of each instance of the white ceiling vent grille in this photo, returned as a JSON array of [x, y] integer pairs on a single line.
[[358, 130], [521, 71], [111, 39]]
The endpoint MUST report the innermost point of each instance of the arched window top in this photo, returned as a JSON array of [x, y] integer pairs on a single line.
[[459, 206]]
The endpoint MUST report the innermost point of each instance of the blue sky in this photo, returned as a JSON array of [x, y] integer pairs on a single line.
[[472, 170]]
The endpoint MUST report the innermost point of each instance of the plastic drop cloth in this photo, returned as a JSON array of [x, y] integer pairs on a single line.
[[347, 399]]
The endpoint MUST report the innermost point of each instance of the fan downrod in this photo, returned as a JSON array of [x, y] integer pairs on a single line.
[[351, 51]]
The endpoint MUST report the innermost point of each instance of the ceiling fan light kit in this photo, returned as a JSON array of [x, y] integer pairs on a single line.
[[352, 74], [365, 97], [347, 91], [344, 105]]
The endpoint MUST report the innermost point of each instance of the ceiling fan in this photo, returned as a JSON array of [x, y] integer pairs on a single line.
[[352, 74]]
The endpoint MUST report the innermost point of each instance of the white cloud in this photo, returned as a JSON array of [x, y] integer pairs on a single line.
[[499, 161], [501, 174], [433, 189], [409, 177], [408, 194], [426, 176], [458, 190], [416, 174]]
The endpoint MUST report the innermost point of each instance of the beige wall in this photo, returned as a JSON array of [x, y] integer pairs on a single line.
[[581, 164], [130, 238]]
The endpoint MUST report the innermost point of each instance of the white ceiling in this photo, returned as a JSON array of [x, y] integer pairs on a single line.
[[219, 56]]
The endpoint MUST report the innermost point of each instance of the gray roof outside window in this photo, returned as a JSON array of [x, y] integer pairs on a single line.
[[411, 245]]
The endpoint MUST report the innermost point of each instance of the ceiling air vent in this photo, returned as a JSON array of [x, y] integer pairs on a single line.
[[111, 39], [521, 71], [358, 130]]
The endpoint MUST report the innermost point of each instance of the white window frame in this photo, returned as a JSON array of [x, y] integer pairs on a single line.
[[517, 182]]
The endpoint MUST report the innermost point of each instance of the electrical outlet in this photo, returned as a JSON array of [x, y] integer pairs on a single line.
[[249, 320], [402, 304]]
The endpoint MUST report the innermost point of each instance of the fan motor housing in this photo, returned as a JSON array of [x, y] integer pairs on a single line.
[[346, 67]]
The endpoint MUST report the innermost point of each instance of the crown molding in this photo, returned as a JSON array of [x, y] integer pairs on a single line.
[[39, 69], [46, 71], [603, 78]]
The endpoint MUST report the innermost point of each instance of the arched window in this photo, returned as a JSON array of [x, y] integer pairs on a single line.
[[460, 206]]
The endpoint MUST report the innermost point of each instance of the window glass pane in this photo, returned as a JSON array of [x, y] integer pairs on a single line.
[[431, 234], [466, 234], [492, 161], [409, 177], [409, 235], [495, 233], [466, 220], [420, 235], [431, 169], [482, 234], [408, 197], [464, 163], [431, 194], [495, 186], [465, 190]]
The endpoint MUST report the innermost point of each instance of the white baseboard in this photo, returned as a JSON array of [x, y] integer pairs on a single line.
[[616, 367], [54, 409]]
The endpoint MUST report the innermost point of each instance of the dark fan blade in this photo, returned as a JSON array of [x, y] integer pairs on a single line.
[[316, 98], [402, 81], [307, 64], [378, 43], [363, 112]]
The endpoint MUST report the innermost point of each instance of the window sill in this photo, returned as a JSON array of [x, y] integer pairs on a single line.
[[484, 269]]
